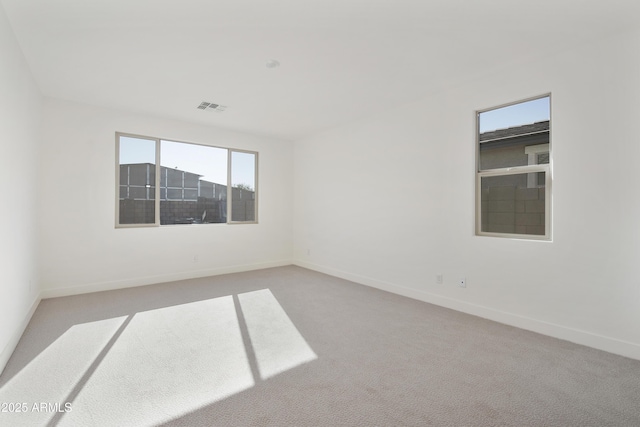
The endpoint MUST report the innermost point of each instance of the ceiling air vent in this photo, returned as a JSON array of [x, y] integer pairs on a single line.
[[210, 106]]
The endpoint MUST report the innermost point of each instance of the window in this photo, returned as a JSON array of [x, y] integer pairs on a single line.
[[194, 184], [513, 174]]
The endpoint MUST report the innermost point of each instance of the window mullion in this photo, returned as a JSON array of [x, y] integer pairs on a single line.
[[515, 170], [157, 186], [229, 188]]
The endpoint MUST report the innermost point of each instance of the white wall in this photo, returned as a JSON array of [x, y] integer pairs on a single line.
[[20, 117], [389, 201], [81, 249]]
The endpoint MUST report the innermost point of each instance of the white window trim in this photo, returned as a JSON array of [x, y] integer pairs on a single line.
[[532, 169]]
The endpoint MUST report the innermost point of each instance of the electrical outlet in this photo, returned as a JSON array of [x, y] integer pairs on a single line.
[[462, 282], [195, 258], [439, 279]]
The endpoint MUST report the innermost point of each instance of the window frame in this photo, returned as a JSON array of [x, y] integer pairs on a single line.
[[158, 140], [547, 168]]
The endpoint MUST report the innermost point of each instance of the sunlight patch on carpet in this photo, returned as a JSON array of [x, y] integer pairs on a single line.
[[51, 376], [168, 361], [150, 367], [277, 343]]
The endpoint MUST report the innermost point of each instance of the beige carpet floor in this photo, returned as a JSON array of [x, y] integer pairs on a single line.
[[292, 347]]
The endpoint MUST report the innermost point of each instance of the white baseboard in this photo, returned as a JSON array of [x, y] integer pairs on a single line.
[[150, 280], [17, 334], [600, 342]]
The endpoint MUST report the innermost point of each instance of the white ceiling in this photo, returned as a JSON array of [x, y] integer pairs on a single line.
[[341, 60]]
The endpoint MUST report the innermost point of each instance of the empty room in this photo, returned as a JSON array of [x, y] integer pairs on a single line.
[[319, 213]]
